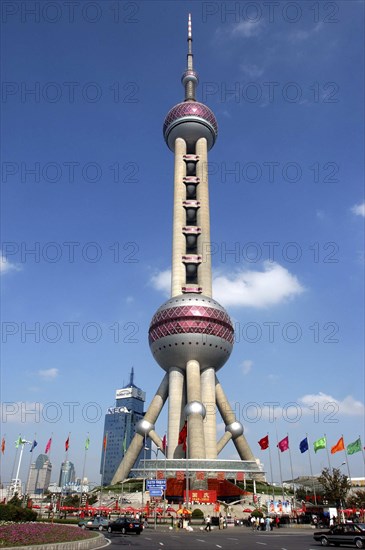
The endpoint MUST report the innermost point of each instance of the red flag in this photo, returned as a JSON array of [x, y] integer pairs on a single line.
[[182, 436], [340, 446], [284, 444], [164, 443], [3, 445], [264, 442], [105, 440], [48, 446], [240, 476], [67, 443]]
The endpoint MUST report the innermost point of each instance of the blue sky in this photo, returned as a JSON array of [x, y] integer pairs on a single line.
[[287, 214]]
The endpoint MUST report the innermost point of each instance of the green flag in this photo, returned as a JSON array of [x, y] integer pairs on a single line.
[[125, 443], [320, 444], [19, 441], [87, 443], [354, 447]]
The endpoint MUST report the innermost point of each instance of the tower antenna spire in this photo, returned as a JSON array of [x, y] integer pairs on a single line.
[[131, 378], [189, 78]]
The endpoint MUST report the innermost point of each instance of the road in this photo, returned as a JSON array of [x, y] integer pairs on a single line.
[[228, 539]]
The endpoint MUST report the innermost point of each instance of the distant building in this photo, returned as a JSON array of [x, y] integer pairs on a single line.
[[67, 474], [39, 475], [120, 427]]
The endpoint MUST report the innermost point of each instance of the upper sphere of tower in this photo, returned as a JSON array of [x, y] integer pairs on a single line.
[[190, 120], [189, 327]]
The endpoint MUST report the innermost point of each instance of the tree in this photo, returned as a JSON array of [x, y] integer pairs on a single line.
[[335, 486], [356, 499], [15, 500]]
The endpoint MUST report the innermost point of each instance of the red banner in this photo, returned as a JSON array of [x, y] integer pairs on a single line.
[[180, 476], [202, 496]]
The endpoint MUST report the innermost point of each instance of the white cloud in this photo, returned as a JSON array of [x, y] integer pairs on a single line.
[[257, 289], [359, 209], [162, 281], [245, 288], [48, 374], [302, 35], [327, 403], [6, 266], [247, 29], [246, 366], [253, 71]]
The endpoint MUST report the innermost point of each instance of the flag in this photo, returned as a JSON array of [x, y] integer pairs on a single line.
[[340, 446], [19, 441], [3, 445], [354, 447], [87, 443], [264, 442], [34, 444], [182, 436], [67, 444], [48, 446], [303, 445], [125, 443], [164, 443], [284, 444], [105, 441], [321, 443]]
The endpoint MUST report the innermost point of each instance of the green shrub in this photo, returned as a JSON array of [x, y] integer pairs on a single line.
[[9, 512], [197, 513]]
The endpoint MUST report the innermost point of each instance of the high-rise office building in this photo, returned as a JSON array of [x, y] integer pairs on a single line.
[[39, 475], [120, 427], [67, 474]]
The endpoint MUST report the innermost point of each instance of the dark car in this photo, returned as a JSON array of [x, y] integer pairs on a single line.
[[345, 533], [94, 523], [125, 525]]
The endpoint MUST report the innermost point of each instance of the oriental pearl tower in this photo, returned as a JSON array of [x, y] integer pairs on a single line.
[[191, 335]]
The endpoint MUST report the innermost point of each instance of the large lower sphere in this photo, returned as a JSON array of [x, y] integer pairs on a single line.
[[189, 327]]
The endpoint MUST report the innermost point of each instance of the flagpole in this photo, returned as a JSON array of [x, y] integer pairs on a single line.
[[328, 455], [187, 466], [311, 471], [291, 468], [102, 475], [30, 463], [49, 458], [13, 468], [362, 450], [83, 469], [272, 477], [280, 471], [347, 459]]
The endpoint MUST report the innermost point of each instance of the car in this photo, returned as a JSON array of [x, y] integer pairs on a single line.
[[125, 525], [344, 533], [94, 523]]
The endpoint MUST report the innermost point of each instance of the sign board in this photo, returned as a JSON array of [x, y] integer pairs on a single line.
[[156, 492], [156, 484], [202, 496]]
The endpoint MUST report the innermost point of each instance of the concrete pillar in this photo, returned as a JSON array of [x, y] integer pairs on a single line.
[[178, 276], [205, 268], [156, 439], [196, 443], [136, 445], [226, 437], [229, 417], [207, 379], [175, 415]]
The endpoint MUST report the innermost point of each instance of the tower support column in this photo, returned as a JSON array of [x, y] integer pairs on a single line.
[[207, 379], [196, 443], [176, 406], [204, 246], [178, 275]]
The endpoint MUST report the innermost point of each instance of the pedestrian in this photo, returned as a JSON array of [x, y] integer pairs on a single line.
[[262, 523], [221, 522], [253, 523], [208, 524], [267, 523]]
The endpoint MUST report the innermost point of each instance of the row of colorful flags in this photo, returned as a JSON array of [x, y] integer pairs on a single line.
[[21, 441], [321, 443]]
